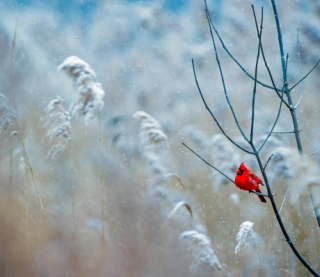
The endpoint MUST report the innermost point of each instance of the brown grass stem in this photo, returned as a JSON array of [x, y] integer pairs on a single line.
[[73, 213], [10, 99], [35, 184], [102, 178]]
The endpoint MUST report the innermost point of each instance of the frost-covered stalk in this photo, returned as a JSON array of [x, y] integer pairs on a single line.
[[88, 103], [243, 236], [57, 120], [245, 233], [154, 146], [204, 259], [23, 172]]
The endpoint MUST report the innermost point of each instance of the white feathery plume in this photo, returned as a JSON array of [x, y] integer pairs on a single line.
[[204, 259], [6, 114], [90, 95], [154, 149], [151, 135], [153, 142], [57, 119], [244, 234]]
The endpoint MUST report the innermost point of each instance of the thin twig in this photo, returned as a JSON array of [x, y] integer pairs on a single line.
[[255, 79], [250, 191], [284, 198], [232, 57], [264, 169], [290, 132], [300, 69], [278, 115], [259, 193], [266, 64], [222, 78], [312, 153], [304, 76], [212, 115], [208, 163]]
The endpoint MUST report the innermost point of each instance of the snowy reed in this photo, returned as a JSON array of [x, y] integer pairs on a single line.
[[245, 233], [89, 101], [57, 120], [153, 142], [204, 259]]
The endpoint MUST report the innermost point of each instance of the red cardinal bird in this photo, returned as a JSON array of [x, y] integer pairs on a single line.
[[247, 180]]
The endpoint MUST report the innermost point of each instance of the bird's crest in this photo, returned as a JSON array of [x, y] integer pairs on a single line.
[[242, 167]]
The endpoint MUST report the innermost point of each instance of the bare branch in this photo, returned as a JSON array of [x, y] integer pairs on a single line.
[[250, 191], [208, 163], [304, 76], [232, 57], [300, 69], [212, 115], [266, 64], [222, 78], [264, 169], [290, 132], [255, 77], [279, 111], [295, 123], [258, 193], [312, 153]]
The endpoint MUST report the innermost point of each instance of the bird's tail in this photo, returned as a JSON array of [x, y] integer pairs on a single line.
[[262, 199]]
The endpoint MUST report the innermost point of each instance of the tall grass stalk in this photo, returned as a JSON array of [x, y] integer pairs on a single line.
[[73, 213], [22, 169], [35, 184], [256, 246], [10, 100], [102, 178]]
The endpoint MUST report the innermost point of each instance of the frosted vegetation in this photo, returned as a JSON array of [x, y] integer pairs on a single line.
[[104, 186]]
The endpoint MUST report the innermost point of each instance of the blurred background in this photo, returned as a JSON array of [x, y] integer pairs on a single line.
[[141, 53]]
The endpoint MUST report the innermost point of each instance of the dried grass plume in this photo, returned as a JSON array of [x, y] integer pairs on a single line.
[[243, 236], [204, 259], [89, 101], [57, 120]]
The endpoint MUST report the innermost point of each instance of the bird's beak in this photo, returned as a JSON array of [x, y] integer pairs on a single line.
[[238, 171]]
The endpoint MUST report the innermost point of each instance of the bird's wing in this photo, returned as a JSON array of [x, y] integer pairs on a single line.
[[254, 177]]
